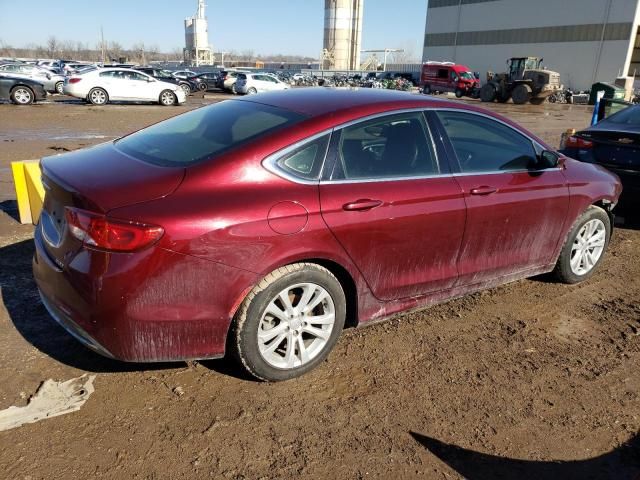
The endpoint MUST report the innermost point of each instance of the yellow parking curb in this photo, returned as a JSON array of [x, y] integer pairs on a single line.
[[29, 189]]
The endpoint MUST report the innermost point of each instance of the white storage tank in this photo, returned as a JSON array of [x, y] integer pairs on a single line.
[[343, 33]]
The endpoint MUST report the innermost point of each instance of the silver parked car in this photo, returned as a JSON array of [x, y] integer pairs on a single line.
[[250, 83], [52, 82]]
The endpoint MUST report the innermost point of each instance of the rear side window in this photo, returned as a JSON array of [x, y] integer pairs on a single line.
[[485, 145], [203, 133], [305, 162], [242, 76]]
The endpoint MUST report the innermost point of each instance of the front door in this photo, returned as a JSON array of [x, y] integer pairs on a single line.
[[396, 210], [516, 208]]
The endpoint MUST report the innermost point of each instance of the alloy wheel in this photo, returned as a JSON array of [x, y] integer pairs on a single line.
[[22, 96], [588, 246], [296, 325], [167, 98], [98, 97]]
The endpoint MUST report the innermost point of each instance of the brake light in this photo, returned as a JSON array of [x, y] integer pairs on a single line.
[[577, 142], [99, 232], [74, 80]]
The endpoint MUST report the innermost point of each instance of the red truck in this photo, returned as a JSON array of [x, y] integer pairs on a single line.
[[448, 77]]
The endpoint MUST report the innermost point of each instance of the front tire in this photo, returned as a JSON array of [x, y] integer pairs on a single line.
[[427, 90], [585, 246], [60, 87], [488, 93], [22, 96], [98, 96], [521, 94], [252, 91], [168, 98], [289, 322], [459, 93], [186, 88]]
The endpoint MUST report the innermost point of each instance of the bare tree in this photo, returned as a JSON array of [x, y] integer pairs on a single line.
[[52, 46], [5, 49]]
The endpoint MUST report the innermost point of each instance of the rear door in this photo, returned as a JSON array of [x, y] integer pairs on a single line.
[[516, 209], [390, 201]]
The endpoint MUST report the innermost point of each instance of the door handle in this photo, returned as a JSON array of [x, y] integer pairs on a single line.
[[362, 205], [483, 190]]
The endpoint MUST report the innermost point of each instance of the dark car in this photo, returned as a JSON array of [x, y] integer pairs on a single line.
[[262, 224], [614, 143], [21, 91], [165, 76], [205, 81]]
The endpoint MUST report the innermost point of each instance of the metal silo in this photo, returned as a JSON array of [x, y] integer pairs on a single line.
[[342, 33], [196, 31]]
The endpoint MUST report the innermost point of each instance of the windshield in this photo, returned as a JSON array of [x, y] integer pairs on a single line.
[[531, 64], [629, 116], [467, 75], [203, 133]]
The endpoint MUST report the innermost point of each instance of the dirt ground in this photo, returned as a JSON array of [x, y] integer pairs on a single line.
[[534, 380]]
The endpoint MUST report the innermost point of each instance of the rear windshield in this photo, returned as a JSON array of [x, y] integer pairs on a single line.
[[630, 116], [203, 133]]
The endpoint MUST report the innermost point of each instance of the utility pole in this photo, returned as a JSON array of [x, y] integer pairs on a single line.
[[102, 43]]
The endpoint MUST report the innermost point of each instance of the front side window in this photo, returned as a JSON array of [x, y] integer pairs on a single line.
[[485, 145], [388, 147]]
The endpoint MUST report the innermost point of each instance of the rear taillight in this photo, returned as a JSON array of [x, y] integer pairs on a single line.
[[102, 233], [577, 142], [74, 80]]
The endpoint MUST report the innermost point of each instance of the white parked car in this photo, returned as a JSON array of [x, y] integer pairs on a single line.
[[249, 83], [123, 85], [52, 82]]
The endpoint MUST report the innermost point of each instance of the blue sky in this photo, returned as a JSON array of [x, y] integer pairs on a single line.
[[264, 26]]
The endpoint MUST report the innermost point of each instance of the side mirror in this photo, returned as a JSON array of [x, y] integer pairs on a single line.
[[548, 159]]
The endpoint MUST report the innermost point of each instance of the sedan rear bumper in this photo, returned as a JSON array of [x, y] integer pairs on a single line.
[[150, 306]]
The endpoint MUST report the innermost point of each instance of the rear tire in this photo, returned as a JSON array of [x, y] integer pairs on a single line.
[[252, 91], [584, 247], [60, 87], [22, 95], [301, 339], [167, 98], [98, 96], [488, 93], [426, 90], [234, 90], [203, 87]]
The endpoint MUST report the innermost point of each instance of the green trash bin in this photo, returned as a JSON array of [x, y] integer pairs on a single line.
[[612, 92]]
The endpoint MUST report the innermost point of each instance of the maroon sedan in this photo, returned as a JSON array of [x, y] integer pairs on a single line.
[[262, 223]]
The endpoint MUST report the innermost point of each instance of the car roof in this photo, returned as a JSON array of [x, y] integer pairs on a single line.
[[322, 100]]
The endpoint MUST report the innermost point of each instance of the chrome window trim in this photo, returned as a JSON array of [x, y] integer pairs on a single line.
[[270, 162]]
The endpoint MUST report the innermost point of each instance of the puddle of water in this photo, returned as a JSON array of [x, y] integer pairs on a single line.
[[50, 135]]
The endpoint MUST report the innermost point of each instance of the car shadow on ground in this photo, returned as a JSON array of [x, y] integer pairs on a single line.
[[622, 463], [22, 301]]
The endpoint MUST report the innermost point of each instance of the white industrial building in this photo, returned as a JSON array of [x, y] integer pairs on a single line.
[[342, 34], [197, 50], [585, 40]]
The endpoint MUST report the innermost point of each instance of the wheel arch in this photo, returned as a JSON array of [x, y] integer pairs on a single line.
[[344, 276]]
